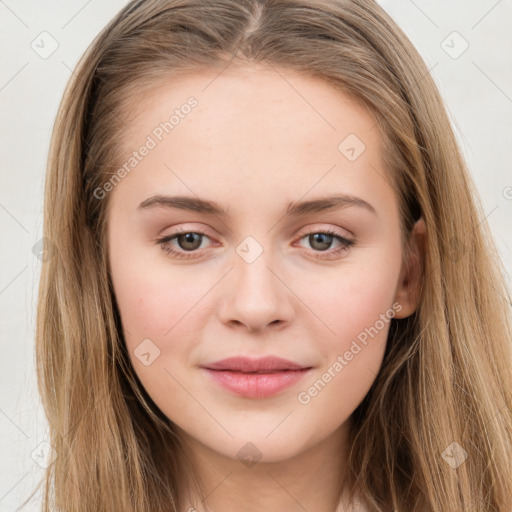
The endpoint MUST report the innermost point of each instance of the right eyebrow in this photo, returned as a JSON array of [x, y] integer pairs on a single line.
[[192, 204]]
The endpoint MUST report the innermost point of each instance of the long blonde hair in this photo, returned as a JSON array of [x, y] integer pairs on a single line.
[[446, 375]]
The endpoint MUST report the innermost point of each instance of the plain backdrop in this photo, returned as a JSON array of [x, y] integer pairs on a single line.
[[467, 46]]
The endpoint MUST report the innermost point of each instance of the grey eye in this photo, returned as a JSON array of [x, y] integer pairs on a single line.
[[189, 241], [320, 241]]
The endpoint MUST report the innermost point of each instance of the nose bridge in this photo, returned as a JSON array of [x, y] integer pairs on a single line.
[[256, 295]]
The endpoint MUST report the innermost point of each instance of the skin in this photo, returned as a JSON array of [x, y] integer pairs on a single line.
[[257, 141]]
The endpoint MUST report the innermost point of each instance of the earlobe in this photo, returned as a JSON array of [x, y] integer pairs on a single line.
[[411, 275]]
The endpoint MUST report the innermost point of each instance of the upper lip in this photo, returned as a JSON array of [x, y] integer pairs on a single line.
[[246, 364]]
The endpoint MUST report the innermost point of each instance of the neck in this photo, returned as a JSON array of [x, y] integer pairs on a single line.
[[310, 480]]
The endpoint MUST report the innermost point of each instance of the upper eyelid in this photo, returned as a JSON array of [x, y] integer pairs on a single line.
[[180, 231], [305, 231], [300, 236]]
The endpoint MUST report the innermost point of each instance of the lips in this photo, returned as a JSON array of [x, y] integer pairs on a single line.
[[267, 364], [255, 378]]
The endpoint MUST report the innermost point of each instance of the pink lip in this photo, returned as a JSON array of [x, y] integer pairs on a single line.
[[238, 374]]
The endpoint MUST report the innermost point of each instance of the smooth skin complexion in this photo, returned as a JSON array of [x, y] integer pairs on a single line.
[[256, 142]]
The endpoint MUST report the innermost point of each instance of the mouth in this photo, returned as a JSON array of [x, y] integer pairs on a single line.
[[244, 364], [260, 372], [255, 378]]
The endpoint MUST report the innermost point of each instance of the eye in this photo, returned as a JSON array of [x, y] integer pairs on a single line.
[[322, 240], [189, 242]]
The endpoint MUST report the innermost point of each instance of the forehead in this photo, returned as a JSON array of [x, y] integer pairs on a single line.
[[252, 105], [253, 129]]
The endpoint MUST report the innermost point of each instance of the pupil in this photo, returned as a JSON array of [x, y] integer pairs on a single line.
[[188, 238], [323, 238]]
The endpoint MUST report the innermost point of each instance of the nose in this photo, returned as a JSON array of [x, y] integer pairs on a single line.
[[256, 296]]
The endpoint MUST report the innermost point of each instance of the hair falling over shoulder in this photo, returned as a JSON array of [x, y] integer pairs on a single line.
[[447, 372]]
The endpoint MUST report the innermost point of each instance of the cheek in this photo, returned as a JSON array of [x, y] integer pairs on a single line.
[[152, 295], [161, 314], [357, 307], [351, 300]]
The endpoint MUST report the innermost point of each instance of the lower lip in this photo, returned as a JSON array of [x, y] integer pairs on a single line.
[[256, 385]]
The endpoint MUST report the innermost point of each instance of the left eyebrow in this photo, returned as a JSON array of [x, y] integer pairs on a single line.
[[327, 203]]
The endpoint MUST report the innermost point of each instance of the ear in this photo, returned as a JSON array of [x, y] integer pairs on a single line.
[[411, 275]]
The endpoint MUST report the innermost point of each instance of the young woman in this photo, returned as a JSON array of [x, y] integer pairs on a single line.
[[270, 286]]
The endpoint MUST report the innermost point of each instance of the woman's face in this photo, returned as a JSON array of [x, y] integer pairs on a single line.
[[264, 171]]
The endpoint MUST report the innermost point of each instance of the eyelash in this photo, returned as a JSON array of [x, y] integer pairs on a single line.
[[346, 243]]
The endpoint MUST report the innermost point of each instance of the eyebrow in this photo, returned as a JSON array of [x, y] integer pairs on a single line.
[[294, 209]]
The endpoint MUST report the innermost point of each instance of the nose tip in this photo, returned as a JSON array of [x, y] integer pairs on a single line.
[[255, 297]]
